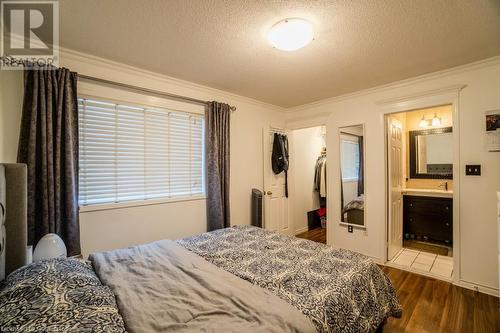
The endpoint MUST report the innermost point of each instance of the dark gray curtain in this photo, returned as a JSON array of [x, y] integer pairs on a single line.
[[361, 172], [217, 155], [48, 144]]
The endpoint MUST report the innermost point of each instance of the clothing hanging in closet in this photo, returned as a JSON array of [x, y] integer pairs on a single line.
[[280, 158], [320, 176]]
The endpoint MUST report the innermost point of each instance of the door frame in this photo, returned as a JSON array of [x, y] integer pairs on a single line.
[[292, 175], [442, 96]]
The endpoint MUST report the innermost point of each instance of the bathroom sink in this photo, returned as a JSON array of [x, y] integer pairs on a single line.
[[428, 192]]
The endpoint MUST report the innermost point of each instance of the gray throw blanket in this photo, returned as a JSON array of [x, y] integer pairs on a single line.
[[162, 287]]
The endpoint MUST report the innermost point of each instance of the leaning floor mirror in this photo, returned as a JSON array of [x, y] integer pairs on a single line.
[[352, 170]]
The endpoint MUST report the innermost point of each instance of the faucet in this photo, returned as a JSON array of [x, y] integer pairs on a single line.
[[444, 185]]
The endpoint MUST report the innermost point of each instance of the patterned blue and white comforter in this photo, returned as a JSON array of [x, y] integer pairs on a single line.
[[339, 290]]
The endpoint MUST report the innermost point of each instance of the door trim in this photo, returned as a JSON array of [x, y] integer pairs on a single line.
[[440, 96]]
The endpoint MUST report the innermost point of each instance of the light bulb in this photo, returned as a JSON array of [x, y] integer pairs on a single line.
[[436, 121], [423, 122]]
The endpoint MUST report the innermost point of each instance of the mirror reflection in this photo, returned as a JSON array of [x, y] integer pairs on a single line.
[[431, 153], [352, 175]]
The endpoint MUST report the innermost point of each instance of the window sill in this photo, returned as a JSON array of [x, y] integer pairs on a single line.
[[139, 203], [349, 180]]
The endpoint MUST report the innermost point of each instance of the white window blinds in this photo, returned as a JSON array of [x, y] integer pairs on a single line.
[[130, 153], [350, 159]]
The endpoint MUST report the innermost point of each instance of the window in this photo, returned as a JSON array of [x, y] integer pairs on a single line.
[[130, 153], [350, 158]]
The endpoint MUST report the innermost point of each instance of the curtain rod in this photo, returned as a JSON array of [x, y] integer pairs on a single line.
[[148, 91]]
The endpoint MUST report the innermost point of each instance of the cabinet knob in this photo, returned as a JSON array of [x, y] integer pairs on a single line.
[[446, 207], [411, 205], [269, 193], [411, 219], [447, 224]]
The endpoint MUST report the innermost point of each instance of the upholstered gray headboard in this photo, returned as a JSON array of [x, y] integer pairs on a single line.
[[13, 210]]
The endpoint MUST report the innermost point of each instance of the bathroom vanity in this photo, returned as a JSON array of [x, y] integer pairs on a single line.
[[428, 215]]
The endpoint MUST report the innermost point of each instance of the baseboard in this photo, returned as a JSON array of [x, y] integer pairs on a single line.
[[301, 230], [480, 288]]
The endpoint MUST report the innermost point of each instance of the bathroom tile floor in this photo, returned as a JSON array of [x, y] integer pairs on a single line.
[[441, 266]]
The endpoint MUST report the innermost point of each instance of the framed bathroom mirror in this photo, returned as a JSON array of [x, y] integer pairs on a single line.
[[431, 153], [352, 166]]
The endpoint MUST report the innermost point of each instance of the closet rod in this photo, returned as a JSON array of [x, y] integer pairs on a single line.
[[147, 91], [277, 130]]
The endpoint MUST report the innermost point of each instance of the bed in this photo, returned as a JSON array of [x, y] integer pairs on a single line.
[[354, 211], [238, 279]]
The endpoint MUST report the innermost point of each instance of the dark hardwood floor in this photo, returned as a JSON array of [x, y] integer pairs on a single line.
[[317, 235], [431, 305]]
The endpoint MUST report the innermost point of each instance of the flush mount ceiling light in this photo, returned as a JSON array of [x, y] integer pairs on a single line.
[[291, 34]]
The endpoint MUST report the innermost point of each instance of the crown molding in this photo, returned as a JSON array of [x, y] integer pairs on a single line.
[[107, 66], [454, 89], [307, 120], [485, 63]]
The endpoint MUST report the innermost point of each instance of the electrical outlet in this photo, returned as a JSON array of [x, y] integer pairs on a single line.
[[349, 228], [473, 170]]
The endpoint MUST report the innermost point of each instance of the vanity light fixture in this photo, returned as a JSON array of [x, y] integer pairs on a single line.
[[436, 121], [291, 34]]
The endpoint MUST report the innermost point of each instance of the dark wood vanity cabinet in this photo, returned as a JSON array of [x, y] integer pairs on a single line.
[[428, 219]]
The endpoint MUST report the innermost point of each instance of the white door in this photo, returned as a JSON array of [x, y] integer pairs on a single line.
[[275, 202], [395, 177]]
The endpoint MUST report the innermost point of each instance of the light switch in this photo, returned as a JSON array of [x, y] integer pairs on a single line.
[[473, 170]]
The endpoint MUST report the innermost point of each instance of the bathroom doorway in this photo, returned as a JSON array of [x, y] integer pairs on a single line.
[[420, 162]]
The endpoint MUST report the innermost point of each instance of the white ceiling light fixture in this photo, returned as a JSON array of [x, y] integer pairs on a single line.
[[291, 34]]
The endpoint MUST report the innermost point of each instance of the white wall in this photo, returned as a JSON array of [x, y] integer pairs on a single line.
[[11, 101], [306, 146], [478, 261], [116, 228]]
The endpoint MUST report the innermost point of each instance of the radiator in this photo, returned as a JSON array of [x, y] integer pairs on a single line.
[[257, 208]]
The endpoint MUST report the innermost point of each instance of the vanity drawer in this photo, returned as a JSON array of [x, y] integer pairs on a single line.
[[428, 205], [428, 218]]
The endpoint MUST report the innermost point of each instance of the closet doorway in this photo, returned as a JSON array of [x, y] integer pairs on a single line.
[[308, 183]]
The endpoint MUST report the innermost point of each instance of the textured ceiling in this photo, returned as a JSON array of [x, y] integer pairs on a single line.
[[222, 44]]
